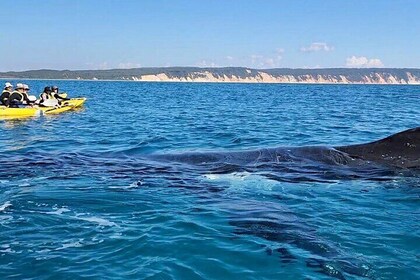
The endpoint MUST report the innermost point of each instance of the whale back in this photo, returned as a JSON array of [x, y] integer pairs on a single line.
[[401, 150]]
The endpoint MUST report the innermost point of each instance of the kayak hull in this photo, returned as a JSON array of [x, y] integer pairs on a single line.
[[68, 105], [18, 112]]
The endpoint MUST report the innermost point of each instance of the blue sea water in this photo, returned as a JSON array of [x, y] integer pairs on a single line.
[[83, 194]]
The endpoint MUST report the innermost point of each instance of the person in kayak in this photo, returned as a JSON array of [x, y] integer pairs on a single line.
[[57, 95], [18, 97], [46, 98], [8, 89], [46, 94]]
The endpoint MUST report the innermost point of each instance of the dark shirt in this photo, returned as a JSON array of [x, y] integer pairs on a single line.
[[4, 97]]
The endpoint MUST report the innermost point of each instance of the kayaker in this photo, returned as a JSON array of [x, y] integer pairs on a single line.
[[8, 89], [18, 97], [57, 95], [47, 99], [46, 94]]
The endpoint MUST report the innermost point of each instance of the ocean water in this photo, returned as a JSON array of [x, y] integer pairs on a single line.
[[100, 193]]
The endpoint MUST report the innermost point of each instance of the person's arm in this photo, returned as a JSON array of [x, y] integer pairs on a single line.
[[58, 97], [25, 97]]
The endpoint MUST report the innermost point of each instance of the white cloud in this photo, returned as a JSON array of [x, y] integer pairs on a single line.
[[316, 47], [230, 58], [128, 65], [363, 62]]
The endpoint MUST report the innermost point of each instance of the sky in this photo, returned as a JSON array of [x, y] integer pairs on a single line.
[[107, 34]]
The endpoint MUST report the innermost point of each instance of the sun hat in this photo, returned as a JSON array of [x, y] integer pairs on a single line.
[[25, 86], [19, 86], [6, 85]]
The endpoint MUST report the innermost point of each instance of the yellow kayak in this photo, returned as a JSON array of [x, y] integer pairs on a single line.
[[75, 102], [19, 112], [38, 110], [58, 110]]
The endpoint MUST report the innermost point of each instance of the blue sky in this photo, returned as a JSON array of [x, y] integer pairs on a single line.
[[93, 34]]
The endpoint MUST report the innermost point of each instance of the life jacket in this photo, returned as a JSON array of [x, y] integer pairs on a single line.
[[49, 95], [6, 93], [21, 95]]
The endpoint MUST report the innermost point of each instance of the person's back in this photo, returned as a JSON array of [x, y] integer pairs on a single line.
[[5, 95]]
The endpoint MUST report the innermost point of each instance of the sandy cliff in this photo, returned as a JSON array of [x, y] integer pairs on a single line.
[[264, 77]]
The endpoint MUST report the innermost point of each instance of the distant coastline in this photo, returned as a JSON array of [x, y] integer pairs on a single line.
[[410, 76]]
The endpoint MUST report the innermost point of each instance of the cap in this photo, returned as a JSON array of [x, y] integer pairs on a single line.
[[54, 87], [47, 89], [6, 85], [25, 86], [19, 86]]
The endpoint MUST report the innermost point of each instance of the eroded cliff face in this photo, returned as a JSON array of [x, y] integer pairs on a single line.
[[264, 77]]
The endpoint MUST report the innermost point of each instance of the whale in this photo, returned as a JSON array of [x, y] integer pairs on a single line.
[[383, 159], [394, 155], [286, 233]]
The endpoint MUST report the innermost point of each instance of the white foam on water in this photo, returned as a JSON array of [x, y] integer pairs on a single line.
[[82, 217], [5, 248], [135, 184], [211, 176], [97, 220], [58, 211], [116, 235], [235, 176], [74, 244], [243, 180], [5, 205]]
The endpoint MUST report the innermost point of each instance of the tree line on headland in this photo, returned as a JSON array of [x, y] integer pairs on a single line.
[[233, 74]]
